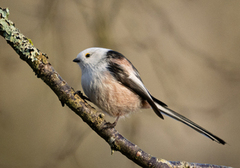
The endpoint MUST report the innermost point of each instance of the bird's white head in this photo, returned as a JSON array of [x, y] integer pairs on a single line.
[[91, 57]]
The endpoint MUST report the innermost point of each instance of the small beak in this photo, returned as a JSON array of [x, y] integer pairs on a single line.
[[76, 60]]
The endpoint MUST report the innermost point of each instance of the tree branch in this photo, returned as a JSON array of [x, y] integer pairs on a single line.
[[37, 60]]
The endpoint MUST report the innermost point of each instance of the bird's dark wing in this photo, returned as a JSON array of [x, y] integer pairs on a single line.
[[131, 79], [120, 71]]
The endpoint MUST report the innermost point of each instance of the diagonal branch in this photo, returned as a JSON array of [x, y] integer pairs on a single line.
[[37, 60]]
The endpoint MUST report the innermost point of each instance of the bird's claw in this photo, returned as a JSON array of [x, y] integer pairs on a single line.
[[109, 125], [79, 93]]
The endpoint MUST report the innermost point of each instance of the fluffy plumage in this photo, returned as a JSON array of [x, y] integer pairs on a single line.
[[113, 84]]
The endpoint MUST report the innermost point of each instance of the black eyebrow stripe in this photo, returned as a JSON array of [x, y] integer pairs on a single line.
[[114, 55]]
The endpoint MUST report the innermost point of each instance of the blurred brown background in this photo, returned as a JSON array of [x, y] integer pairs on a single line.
[[187, 53]]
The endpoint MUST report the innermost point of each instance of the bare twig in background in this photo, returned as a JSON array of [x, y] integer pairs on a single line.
[[43, 69], [102, 20]]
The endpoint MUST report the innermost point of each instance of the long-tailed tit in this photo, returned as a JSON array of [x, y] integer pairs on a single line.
[[113, 84]]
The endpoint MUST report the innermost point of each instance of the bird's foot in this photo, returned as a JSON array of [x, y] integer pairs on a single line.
[[109, 125], [79, 93]]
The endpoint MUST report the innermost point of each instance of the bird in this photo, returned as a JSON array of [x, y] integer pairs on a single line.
[[113, 84]]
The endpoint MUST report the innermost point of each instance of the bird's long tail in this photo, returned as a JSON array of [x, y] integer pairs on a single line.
[[165, 110]]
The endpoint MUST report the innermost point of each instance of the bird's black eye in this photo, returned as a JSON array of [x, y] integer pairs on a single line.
[[87, 55]]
